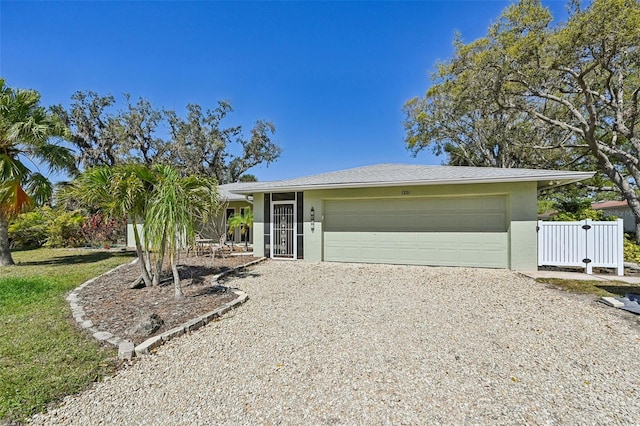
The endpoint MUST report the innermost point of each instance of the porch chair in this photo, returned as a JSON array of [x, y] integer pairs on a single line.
[[223, 250]]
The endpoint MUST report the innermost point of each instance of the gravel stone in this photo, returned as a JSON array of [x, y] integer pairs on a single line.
[[329, 343]]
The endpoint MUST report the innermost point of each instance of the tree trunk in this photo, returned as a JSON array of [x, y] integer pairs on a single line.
[[177, 286], [143, 267], [160, 260], [147, 258], [634, 205], [616, 176], [5, 250]]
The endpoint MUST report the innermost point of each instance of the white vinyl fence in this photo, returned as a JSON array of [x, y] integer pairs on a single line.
[[583, 244]]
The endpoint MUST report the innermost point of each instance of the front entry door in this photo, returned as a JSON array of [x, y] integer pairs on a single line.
[[283, 231]]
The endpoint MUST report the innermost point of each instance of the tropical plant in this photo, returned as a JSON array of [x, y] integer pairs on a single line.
[[64, 228], [26, 132], [244, 222], [120, 191], [29, 230], [48, 227], [167, 204], [99, 230], [177, 205]]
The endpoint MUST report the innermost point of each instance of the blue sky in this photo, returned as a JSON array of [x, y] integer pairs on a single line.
[[332, 76]]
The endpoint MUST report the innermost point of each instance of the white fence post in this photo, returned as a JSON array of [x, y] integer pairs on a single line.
[[590, 245], [541, 248], [620, 235]]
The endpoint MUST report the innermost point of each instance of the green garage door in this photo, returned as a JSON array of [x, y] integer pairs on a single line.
[[461, 231]]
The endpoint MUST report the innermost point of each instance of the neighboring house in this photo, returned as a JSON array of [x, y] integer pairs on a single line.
[[230, 204], [619, 209], [404, 214]]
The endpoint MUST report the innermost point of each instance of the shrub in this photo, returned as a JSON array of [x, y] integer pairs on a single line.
[[64, 229], [631, 251], [582, 214], [99, 230], [29, 230], [47, 227]]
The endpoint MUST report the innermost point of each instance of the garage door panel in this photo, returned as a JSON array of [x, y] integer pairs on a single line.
[[464, 231], [468, 214], [446, 249]]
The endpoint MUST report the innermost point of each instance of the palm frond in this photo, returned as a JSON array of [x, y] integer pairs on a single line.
[[92, 186], [39, 188], [13, 199], [57, 157], [11, 168], [177, 204]]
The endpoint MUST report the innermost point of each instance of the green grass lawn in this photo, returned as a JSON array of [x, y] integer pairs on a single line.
[[43, 355], [597, 288]]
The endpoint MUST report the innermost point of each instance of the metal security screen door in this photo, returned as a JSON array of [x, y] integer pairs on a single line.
[[283, 232]]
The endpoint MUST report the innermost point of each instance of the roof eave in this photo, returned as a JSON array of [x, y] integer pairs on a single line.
[[551, 181]]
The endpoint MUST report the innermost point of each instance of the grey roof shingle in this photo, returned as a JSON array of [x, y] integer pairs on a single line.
[[225, 191], [412, 174]]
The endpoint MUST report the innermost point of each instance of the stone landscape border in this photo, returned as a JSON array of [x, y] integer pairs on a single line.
[[126, 349]]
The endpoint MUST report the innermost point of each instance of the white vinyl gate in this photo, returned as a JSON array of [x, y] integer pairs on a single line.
[[584, 244]]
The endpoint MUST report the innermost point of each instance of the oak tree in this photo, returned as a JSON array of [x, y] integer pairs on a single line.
[[576, 82], [105, 135]]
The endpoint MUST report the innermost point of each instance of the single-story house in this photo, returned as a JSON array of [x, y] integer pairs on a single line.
[[404, 214], [619, 209], [230, 204]]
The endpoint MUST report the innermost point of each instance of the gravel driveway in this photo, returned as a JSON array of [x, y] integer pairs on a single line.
[[324, 343]]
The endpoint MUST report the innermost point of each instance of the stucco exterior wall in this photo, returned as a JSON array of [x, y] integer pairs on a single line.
[[521, 214], [522, 211], [258, 225]]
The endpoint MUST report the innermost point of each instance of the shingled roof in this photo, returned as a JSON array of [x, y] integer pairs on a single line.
[[605, 205], [224, 191], [381, 175]]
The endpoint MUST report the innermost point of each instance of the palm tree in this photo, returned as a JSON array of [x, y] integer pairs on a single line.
[[120, 191], [177, 204], [26, 130], [243, 221]]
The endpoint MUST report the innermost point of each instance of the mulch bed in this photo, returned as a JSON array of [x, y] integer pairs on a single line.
[[111, 304]]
